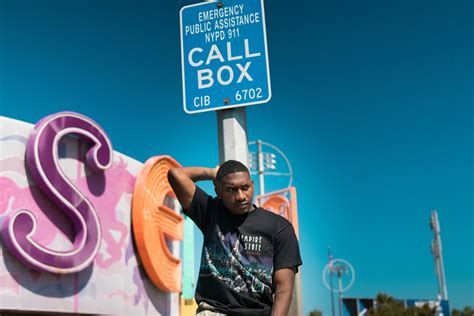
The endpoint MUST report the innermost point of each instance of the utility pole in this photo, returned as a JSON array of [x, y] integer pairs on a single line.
[[437, 252], [340, 270], [264, 163], [261, 168], [340, 267], [232, 135], [330, 281]]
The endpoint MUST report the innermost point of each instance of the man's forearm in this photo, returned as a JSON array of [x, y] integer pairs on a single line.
[[182, 181], [198, 173], [282, 302]]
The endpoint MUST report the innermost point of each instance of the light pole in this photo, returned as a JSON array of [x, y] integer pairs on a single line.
[[264, 163], [341, 268], [330, 281], [437, 252], [261, 180]]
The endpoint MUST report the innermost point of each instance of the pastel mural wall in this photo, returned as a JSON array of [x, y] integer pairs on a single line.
[[66, 219]]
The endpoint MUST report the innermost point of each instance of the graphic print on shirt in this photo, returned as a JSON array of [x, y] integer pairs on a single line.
[[243, 262]]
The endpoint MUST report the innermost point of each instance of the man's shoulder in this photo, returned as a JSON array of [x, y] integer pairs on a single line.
[[271, 215], [277, 220]]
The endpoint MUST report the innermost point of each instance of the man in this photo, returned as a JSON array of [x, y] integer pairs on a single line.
[[249, 254]]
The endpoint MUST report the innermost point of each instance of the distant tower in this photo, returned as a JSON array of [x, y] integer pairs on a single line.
[[437, 252]]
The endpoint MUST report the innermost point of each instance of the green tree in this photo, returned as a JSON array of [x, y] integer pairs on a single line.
[[388, 306], [315, 312], [467, 311]]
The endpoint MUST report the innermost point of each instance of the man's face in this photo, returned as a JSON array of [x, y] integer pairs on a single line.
[[236, 192]]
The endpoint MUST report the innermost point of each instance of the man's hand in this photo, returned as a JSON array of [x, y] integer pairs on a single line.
[[284, 280], [182, 181]]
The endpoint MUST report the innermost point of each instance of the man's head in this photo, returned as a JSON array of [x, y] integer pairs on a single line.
[[234, 187]]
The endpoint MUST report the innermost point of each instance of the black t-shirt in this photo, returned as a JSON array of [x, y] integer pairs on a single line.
[[240, 254]]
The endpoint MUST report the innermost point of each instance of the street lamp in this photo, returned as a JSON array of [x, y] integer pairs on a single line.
[[265, 163], [340, 268]]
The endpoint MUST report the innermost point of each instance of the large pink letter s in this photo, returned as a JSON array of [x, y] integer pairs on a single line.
[[43, 163]]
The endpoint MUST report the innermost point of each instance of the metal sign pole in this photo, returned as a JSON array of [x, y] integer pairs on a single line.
[[232, 135]]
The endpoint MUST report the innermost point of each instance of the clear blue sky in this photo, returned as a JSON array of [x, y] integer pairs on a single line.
[[372, 103]]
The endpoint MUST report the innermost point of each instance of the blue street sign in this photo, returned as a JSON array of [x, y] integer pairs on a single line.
[[224, 55]]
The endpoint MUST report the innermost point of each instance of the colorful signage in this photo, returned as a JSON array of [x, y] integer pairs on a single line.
[[153, 219], [66, 225], [82, 224], [42, 160]]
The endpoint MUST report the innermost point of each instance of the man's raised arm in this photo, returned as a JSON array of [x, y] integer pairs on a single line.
[[182, 181]]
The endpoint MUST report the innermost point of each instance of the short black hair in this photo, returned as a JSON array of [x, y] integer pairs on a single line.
[[230, 166]]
